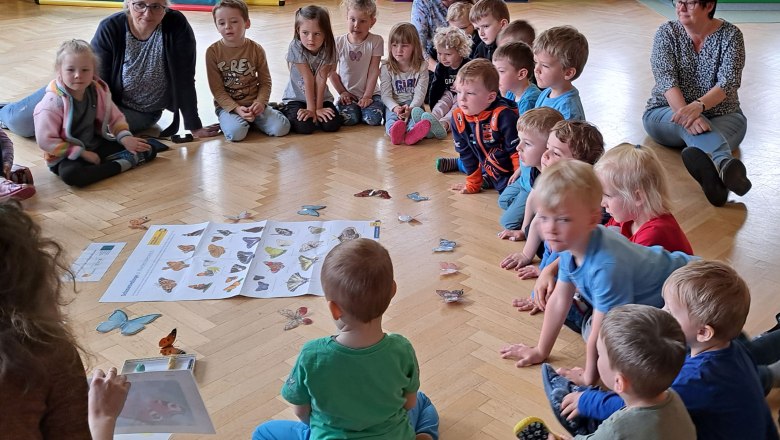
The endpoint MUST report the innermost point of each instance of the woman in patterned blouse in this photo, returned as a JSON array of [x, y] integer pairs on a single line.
[[697, 64]]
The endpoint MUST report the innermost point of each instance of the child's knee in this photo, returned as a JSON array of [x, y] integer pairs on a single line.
[[350, 114], [276, 124], [235, 133], [372, 116]]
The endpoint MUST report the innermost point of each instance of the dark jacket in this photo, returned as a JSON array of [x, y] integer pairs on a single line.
[[179, 45], [443, 78]]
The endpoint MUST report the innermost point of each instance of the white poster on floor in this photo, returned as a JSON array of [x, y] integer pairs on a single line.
[[265, 259]]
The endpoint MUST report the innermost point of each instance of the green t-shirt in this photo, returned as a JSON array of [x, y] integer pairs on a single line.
[[355, 393]]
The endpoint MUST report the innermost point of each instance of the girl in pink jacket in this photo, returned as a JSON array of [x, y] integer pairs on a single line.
[[84, 136]]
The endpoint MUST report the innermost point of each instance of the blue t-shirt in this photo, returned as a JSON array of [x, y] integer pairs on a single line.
[[721, 391], [616, 272], [527, 100], [568, 104]]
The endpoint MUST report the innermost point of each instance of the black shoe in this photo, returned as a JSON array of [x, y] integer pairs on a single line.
[[776, 327], [734, 176], [703, 169], [156, 145]]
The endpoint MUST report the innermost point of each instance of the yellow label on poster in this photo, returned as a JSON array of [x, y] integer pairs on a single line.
[[158, 236]]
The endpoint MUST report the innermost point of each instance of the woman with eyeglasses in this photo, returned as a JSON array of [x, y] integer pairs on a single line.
[[146, 56], [697, 64]]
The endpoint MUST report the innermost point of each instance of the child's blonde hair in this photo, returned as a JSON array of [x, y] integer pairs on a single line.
[[644, 344], [583, 138], [539, 120], [518, 30], [458, 10], [568, 180], [518, 54], [404, 33], [481, 71], [713, 293], [451, 37], [567, 45], [367, 6], [74, 47], [358, 276], [321, 16], [240, 5], [633, 168], [494, 8]]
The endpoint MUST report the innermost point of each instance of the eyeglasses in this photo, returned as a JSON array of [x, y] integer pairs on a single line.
[[155, 8], [688, 4]]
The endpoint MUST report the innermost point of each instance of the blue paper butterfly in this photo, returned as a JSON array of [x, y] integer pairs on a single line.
[[312, 210], [119, 320]]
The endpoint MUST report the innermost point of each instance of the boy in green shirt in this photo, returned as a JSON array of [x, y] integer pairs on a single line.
[[362, 382]]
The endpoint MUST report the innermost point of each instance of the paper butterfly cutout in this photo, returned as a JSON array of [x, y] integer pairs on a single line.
[[186, 248], [230, 279], [448, 268], [194, 233], [216, 238], [225, 232], [127, 327], [417, 197], [260, 284], [176, 265], [296, 318], [306, 262], [166, 345], [445, 246], [166, 284], [233, 285], [283, 231], [245, 257], [158, 411], [138, 223], [237, 268], [450, 296], [284, 243], [309, 245], [243, 215], [275, 266], [296, 281], [251, 241], [406, 218], [254, 230], [312, 210], [316, 230], [210, 271], [374, 193], [216, 251], [349, 233], [201, 287], [274, 252], [355, 55]]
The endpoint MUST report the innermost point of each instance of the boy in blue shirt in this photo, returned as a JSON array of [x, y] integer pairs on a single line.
[[718, 382], [560, 54], [362, 382], [603, 266], [515, 63]]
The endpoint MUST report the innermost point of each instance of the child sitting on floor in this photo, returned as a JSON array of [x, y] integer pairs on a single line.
[[603, 267], [359, 52], [458, 16], [718, 381], [515, 64], [641, 350], [560, 54], [362, 382], [489, 17], [517, 31]]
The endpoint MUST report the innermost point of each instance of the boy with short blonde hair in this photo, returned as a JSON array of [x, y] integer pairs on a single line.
[[321, 384], [488, 17], [606, 269], [517, 30], [718, 381], [238, 75], [560, 54], [458, 16], [484, 130], [515, 62]]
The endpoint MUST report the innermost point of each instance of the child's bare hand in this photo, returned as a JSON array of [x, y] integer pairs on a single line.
[[463, 189], [544, 287], [347, 98], [515, 176], [570, 405], [527, 272], [524, 354], [91, 157], [512, 235], [576, 375], [515, 261], [305, 114], [256, 108], [325, 114], [134, 144], [245, 113], [365, 102], [525, 305], [107, 395]]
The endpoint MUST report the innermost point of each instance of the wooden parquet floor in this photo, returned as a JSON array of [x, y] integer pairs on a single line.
[[243, 352]]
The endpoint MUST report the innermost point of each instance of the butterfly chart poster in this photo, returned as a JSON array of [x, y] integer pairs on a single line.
[[265, 259]]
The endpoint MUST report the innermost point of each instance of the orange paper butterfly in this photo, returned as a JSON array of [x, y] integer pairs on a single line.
[[166, 345]]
